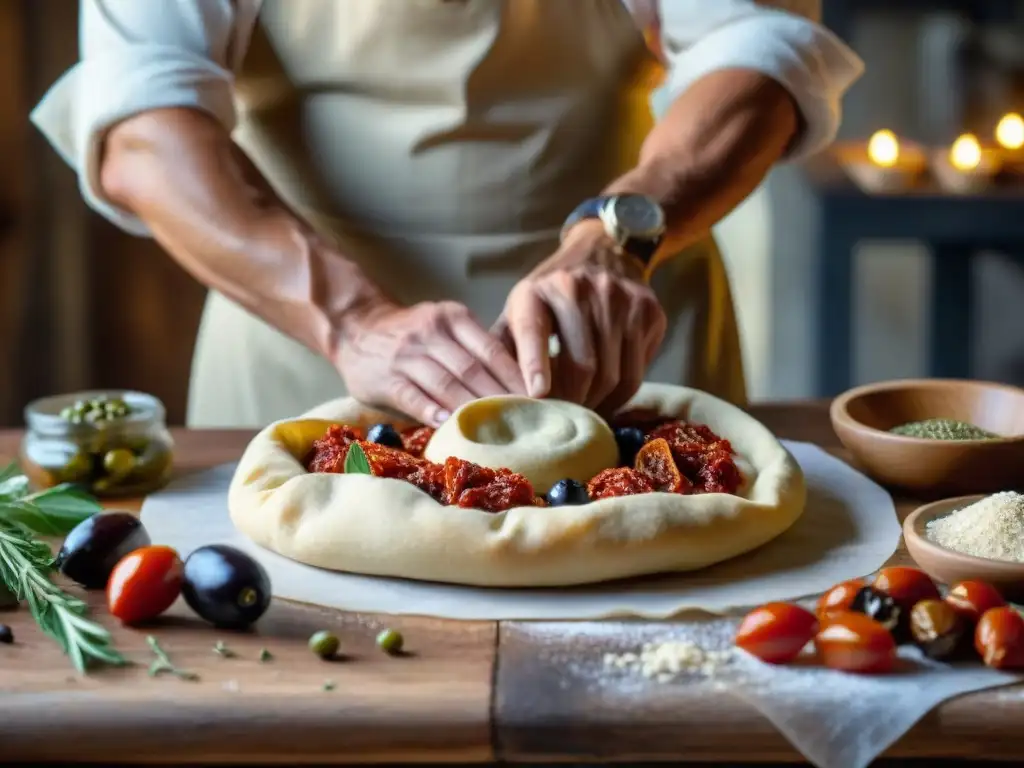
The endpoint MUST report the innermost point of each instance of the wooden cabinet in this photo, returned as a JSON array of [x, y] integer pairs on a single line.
[[81, 303]]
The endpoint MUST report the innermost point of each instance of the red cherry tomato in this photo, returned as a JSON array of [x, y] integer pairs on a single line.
[[907, 586], [776, 632], [972, 598], [999, 638], [144, 584], [839, 598], [853, 642]]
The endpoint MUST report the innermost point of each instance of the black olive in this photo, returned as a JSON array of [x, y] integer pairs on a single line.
[[6, 634], [566, 492], [883, 609], [225, 586], [384, 434], [97, 544], [630, 441]]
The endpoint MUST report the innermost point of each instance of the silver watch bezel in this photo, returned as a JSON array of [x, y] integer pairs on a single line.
[[618, 232]]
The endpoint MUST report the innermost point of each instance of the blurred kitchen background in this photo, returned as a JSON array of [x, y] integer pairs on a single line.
[[83, 305]]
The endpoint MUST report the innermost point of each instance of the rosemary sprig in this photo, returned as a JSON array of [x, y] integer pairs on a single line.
[[26, 564], [25, 567]]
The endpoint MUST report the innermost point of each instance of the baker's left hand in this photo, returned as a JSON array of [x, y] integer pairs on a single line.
[[608, 321]]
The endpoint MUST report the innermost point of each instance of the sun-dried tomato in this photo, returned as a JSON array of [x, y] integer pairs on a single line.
[[385, 461], [720, 474], [328, 453], [655, 462], [429, 478], [470, 485], [683, 433], [702, 457], [618, 481], [415, 439]]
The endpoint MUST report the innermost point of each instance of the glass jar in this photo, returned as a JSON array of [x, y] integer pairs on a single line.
[[112, 443]]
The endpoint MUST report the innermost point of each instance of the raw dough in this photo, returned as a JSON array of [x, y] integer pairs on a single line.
[[545, 440], [375, 526]]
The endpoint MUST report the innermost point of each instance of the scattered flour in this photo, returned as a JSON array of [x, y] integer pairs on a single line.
[[992, 528], [666, 661]]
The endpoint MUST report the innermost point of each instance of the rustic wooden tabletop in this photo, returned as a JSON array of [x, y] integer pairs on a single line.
[[467, 691]]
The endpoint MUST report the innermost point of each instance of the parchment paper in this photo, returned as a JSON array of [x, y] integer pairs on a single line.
[[849, 529], [834, 719]]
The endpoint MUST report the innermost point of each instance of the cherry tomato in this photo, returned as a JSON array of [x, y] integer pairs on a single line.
[[839, 598], [907, 586], [853, 642], [972, 598], [776, 632], [999, 638], [144, 584]]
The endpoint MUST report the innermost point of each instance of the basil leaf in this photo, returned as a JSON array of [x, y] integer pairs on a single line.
[[53, 512], [11, 470], [356, 462], [66, 501], [13, 486]]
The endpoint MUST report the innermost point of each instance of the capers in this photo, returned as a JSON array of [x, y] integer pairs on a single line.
[[324, 644], [390, 641], [97, 409]]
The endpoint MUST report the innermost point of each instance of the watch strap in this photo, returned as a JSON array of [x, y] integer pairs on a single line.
[[588, 209]]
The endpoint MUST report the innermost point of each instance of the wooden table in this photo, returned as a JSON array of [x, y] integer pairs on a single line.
[[468, 691]]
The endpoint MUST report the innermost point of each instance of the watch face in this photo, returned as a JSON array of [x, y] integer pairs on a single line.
[[639, 214]]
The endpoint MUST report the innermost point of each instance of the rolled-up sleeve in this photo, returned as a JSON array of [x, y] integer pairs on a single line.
[[780, 39], [139, 55]]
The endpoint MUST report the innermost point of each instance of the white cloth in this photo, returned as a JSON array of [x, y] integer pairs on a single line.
[[137, 56]]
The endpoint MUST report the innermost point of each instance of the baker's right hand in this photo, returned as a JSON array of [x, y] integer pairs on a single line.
[[425, 360]]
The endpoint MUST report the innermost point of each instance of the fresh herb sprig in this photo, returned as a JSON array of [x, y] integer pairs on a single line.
[[26, 565], [162, 663]]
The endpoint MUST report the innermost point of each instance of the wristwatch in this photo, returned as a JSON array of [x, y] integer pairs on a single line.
[[635, 222]]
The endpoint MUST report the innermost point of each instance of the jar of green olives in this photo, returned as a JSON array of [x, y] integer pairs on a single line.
[[112, 443]]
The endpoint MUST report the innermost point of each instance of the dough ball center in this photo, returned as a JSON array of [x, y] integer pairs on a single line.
[[528, 422]]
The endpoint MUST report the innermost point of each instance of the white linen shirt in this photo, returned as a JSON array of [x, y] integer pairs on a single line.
[[138, 55]]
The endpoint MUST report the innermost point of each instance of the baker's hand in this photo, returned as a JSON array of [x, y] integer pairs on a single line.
[[608, 321], [425, 360]]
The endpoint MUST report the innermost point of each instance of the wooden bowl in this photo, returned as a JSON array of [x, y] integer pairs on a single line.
[[949, 567], [934, 468]]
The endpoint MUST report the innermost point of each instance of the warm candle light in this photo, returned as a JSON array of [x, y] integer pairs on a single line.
[[965, 154], [1010, 131], [884, 149]]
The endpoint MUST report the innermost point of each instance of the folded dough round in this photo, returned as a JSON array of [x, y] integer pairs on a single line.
[[384, 527], [543, 440]]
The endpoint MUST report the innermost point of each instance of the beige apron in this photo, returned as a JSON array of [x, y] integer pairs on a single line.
[[442, 143]]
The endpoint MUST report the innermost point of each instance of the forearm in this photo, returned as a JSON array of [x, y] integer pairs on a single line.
[[211, 209], [713, 147]]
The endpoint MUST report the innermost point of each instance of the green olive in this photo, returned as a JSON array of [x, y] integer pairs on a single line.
[[324, 644], [390, 641], [118, 463], [78, 468]]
